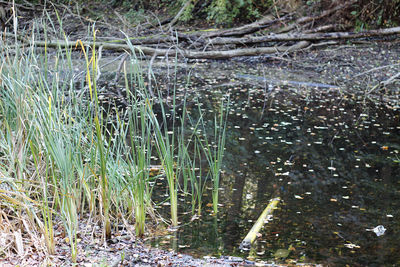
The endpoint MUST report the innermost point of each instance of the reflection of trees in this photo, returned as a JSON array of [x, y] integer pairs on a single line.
[[332, 158], [232, 231], [351, 183], [342, 174]]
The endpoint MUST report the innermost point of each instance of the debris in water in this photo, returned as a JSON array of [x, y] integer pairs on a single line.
[[351, 246], [379, 230]]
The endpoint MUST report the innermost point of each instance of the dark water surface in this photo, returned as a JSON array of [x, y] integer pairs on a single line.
[[333, 158]]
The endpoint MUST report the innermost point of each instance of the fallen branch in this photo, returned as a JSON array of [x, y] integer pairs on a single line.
[[390, 80], [304, 37], [180, 52], [238, 31], [375, 69], [244, 52], [251, 236], [323, 28], [246, 29], [180, 12], [326, 13]]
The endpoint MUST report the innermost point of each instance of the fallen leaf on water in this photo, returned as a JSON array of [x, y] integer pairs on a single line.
[[351, 246], [281, 253]]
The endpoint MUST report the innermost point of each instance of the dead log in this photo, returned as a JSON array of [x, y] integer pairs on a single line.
[[252, 235], [202, 36], [263, 23], [177, 51], [245, 52], [286, 37], [323, 28], [152, 40], [246, 29]]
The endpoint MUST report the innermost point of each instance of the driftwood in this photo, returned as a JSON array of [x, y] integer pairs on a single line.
[[246, 29], [202, 37], [324, 14], [180, 52], [268, 21], [252, 235], [303, 41], [228, 43], [305, 37]]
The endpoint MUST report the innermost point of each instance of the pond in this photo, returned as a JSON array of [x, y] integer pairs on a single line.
[[333, 158]]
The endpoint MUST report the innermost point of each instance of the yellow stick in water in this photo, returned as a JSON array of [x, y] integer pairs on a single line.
[[251, 236]]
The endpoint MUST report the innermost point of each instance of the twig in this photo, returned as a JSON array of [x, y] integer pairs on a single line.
[[322, 15], [390, 80], [285, 37], [73, 14], [377, 68], [175, 19], [149, 76], [322, 28], [121, 63], [184, 53], [122, 19], [31, 6]]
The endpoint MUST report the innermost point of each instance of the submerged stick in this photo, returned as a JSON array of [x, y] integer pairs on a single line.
[[251, 236]]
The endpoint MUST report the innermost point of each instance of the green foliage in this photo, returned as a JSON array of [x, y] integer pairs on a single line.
[[219, 11], [225, 12], [376, 13]]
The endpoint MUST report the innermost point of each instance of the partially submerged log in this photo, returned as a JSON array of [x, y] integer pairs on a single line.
[[252, 235]]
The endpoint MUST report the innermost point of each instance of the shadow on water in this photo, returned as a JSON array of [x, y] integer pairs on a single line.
[[332, 158]]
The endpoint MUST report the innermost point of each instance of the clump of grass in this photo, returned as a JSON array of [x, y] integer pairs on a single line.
[[166, 150], [214, 150], [139, 163], [63, 162]]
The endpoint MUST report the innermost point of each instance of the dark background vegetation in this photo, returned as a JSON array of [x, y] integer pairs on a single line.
[[362, 14]]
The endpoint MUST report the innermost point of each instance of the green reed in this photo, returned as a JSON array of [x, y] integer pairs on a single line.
[[139, 159], [64, 162], [214, 150]]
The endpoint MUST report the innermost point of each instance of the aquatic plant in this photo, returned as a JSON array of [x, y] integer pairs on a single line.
[[214, 150], [69, 157]]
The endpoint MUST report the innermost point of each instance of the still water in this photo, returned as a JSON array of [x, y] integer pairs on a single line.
[[332, 157]]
